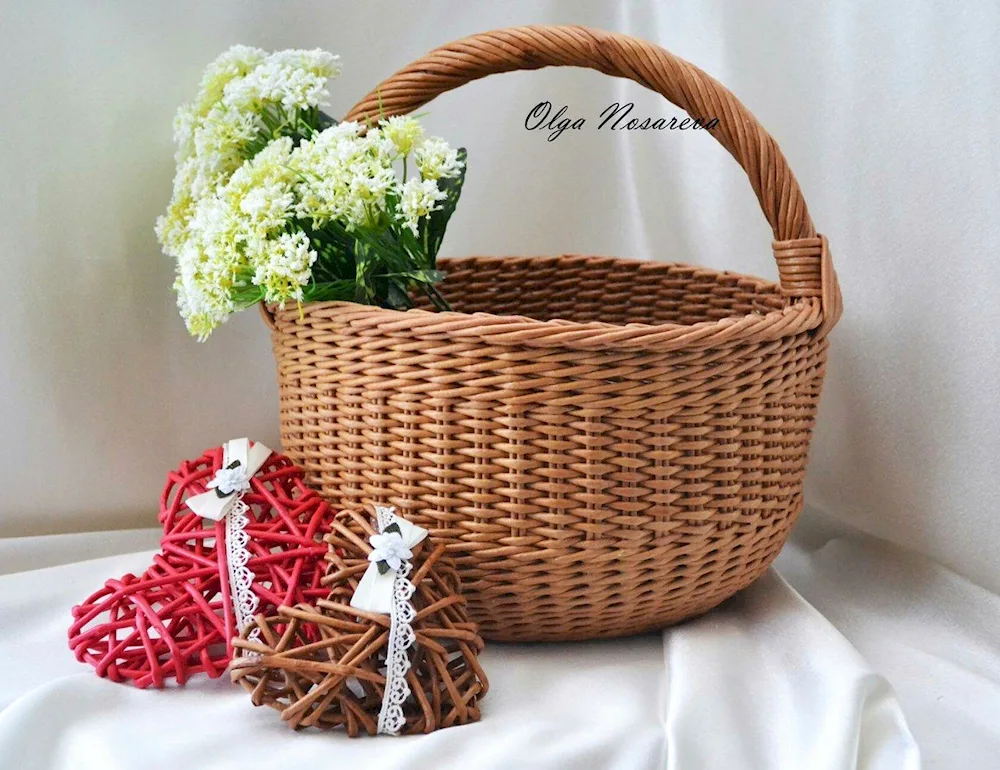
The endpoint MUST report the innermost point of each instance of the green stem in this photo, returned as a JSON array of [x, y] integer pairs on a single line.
[[435, 296]]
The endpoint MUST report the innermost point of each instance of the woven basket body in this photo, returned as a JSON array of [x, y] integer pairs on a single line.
[[606, 446]]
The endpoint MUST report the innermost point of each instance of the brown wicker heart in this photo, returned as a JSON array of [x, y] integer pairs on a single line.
[[338, 681]]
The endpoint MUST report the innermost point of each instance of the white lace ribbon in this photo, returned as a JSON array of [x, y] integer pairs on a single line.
[[385, 587], [240, 461]]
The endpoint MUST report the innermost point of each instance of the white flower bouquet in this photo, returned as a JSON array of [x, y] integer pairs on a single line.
[[274, 201]]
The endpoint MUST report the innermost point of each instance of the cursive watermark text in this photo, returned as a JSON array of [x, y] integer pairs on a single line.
[[615, 117]]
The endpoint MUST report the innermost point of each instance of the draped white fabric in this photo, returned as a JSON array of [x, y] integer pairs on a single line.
[[770, 681], [887, 113]]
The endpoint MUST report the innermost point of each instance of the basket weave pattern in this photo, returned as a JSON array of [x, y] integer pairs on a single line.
[[605, 446], [582, 492]]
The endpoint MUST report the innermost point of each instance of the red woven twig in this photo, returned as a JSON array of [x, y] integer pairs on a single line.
[[176, 619]]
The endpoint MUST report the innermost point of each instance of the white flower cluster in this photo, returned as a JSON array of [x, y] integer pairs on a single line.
[[293, 79], [349, 175], [239, 90], [346, 176], [244, 189]]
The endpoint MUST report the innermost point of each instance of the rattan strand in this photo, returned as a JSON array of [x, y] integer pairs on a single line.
[[323, 666], [606, 446]]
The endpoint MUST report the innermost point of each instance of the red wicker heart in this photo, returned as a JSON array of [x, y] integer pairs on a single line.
[[176, 619]]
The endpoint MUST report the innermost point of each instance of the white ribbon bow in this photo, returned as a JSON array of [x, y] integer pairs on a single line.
[[392, 547], [240, 462], [386, 588]]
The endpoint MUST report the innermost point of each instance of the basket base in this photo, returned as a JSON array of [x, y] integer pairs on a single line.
[[587, 611]]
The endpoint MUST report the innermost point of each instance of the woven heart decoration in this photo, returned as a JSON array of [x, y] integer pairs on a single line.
[[335, 664], [178, 618]]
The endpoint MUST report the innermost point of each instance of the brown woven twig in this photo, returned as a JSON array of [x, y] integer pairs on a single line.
[[338, 681], [605, 446]]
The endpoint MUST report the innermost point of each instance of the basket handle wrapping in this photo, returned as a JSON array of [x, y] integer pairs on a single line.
[[805, 268]]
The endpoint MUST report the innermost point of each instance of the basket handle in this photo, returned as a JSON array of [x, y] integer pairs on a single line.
[[805, 268]]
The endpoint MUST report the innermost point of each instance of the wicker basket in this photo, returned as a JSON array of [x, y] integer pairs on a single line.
[[607, 446]]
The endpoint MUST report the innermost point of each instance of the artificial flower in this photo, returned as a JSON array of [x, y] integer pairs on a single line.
[[419, 197], [389, 547], [436, 159], [273, 201], [404, 132], [228, 481]]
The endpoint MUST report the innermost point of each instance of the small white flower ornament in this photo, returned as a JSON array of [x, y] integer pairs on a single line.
[[389, 550], [230, 480], [392, 550]]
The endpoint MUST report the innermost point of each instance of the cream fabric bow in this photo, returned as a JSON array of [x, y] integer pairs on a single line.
[[239, 464], [392, 549]]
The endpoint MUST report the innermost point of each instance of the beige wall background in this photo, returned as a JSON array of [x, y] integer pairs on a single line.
[[887, 112]]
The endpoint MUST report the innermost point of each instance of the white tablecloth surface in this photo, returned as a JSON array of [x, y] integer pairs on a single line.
[[847, 655]]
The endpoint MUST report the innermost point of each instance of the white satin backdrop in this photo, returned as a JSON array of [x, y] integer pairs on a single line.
[[887, 113], [764, 683]]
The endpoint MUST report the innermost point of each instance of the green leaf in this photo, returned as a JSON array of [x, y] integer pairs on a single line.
[[421, 276], [246, 296], [324, 121], [382, 264], [397, 298], [437, 222], [383, 567], [331, 291], [394, 527]]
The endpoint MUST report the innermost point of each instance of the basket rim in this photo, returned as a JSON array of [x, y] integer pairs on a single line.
[[800, 316]]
